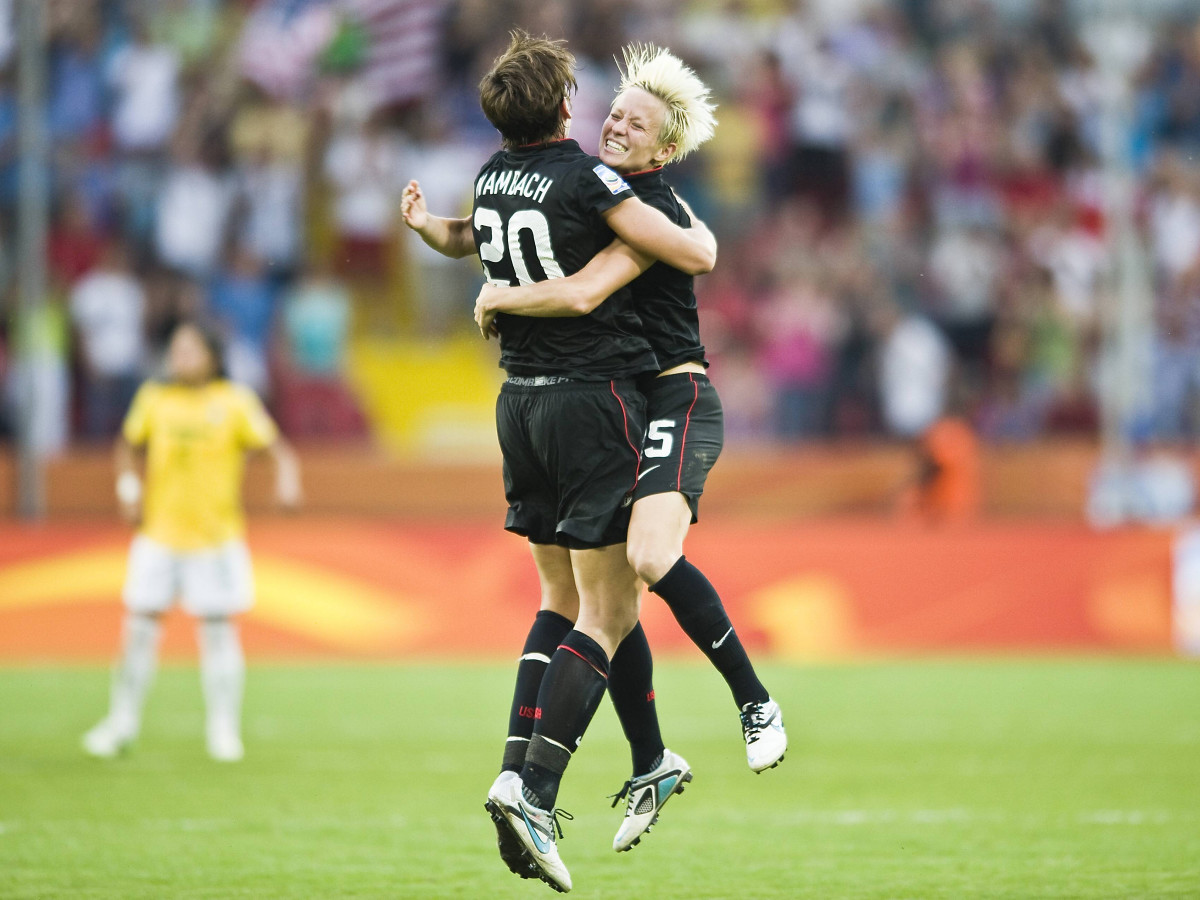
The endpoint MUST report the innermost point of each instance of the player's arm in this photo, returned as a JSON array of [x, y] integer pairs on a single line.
[[127, 460], [129, 453], [691, 250], [576, 295], [449, 237], [257, 432], [288, 492]]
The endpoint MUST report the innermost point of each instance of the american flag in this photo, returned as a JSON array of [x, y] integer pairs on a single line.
[[282, 40], [402, 53]]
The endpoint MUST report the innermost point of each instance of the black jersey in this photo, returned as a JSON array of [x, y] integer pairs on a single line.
[[538, 216], [662, 295]]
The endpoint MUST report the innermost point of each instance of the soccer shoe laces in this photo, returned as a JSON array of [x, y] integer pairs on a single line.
[[556, 826], [622, 793], [754, 721]]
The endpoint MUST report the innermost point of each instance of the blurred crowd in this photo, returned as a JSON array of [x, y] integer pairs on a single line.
[[910, 200]]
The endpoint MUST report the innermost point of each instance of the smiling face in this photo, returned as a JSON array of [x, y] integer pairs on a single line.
[[629, 139]]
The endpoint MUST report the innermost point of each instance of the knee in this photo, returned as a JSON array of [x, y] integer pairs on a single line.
[[651, 556], [623, 624], [216, 631], [614, 631], [610, 628]]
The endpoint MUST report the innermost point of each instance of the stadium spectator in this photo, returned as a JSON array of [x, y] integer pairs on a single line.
[[75, 243], [316, 319], [8, 36], [311, 395], [914, 370], [1176, 359], [272, 194], [946, 489], [40, 346], [965, 265], [242, 298], [822, 126], [8, 140], [364, 164], [107, 309], [270, 145], [799, 325], [957, 147], [189, 27], [146, 103], [77, 90], [437, 161], [193, 211]]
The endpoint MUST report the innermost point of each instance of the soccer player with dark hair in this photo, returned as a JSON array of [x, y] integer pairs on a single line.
[[195, 428], [662, 113], [569, 417]]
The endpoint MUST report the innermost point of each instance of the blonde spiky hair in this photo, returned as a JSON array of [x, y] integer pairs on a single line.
[[689, 121]]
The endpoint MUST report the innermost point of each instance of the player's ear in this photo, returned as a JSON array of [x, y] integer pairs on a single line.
[[565, 109], [664, 153]]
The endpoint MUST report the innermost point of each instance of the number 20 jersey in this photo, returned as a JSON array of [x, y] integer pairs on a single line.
[[538, 216]]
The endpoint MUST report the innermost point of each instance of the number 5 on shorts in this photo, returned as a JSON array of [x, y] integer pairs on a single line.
[[659, 430]]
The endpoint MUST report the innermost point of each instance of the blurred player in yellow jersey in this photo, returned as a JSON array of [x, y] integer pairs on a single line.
[[194, 430]]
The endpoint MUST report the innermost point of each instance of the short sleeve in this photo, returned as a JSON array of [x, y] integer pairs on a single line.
[[136, 428], [255, 429], [599, 187]]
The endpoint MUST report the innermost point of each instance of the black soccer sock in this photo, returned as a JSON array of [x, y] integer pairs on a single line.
[[631, 687], [571, 692], [698, 610], [546, 633]]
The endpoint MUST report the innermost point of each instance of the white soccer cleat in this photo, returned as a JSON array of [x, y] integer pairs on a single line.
[[225, 744], [108, 738], [766, 739], [512, 851], [646, 795], [535, 829]]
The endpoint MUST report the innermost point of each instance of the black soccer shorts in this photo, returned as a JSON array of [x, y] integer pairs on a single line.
[[571, 451], [684, 436]]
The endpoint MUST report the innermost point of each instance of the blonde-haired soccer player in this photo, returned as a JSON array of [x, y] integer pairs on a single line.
[[662, 113], [569, 420], [195, 429]]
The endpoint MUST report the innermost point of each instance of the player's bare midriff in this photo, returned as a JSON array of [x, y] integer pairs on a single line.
[[689, 366]]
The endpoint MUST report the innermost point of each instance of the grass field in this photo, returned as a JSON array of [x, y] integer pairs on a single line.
[[929, 779]]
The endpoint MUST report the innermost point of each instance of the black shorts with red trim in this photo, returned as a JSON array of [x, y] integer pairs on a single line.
[[571, 451], [684, 436]]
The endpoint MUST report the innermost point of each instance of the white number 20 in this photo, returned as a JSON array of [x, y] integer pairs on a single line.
[[659, 431], [492, 250]]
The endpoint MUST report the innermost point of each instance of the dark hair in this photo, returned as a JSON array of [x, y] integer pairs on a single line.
[[213, 342], [522, 93]]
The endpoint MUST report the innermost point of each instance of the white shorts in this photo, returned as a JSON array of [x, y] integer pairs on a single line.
[[214, 582]]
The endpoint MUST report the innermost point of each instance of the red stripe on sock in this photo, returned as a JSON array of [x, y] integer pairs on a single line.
[[584, 658]]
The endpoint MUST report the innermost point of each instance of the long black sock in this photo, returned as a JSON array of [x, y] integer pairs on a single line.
[[571, 692], [631, 687], [701, 614], [546, 633]]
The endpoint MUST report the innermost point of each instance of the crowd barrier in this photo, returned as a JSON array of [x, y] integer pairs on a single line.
[[1038, 480]]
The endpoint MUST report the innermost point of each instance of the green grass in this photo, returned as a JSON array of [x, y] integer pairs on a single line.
[[998, 778]]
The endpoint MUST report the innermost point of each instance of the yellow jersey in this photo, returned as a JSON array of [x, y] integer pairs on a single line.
[[196, 440]]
